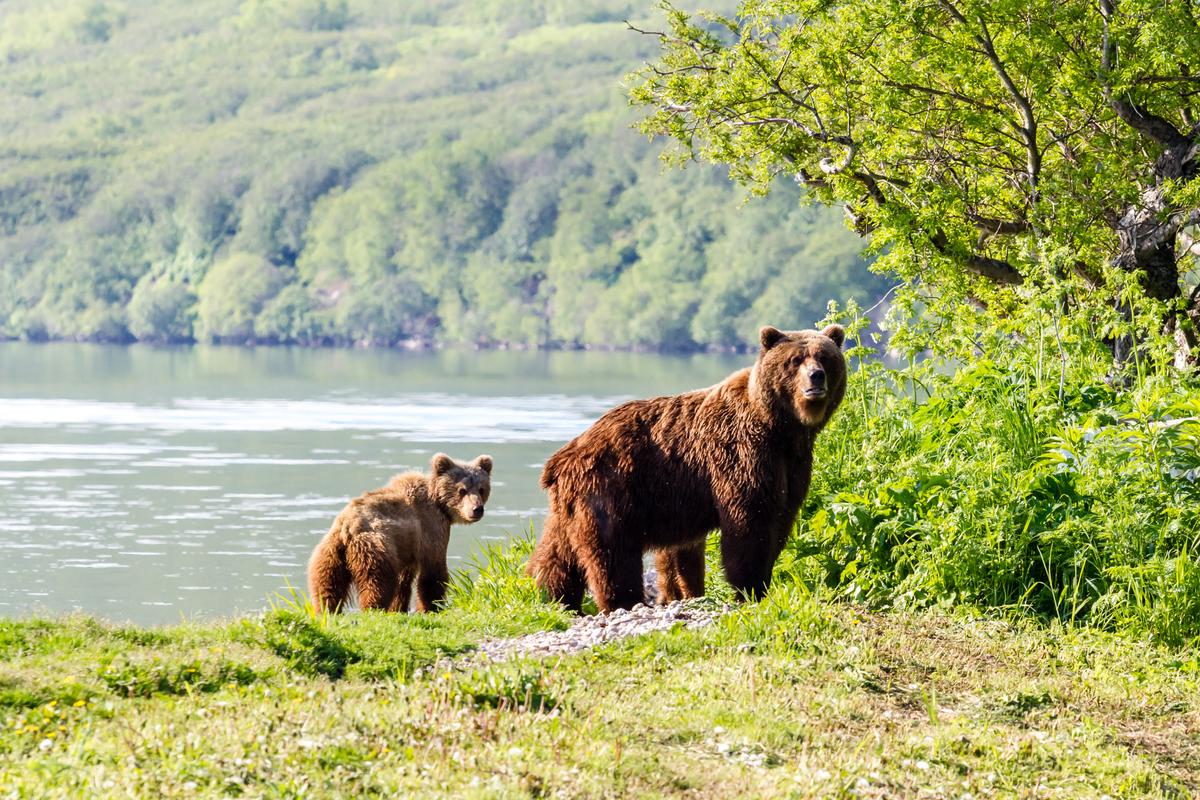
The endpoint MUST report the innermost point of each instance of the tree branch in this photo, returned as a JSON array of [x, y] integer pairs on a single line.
[[830, 168], [635, 29], [1148, 124], [999, 226], [1166, 232], [1140, 119], [818, 136], [1029, 129], [994, 269]]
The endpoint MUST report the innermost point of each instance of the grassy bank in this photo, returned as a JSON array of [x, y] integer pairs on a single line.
[[792, 696]]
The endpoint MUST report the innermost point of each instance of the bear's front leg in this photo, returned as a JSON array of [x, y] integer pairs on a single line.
[[680, 572], [431, 586], [749, 547], [403, 592]]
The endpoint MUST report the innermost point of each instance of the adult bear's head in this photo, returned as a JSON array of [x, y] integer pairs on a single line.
[[801, 373]]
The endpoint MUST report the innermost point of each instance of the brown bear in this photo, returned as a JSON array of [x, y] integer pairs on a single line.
[[388, 537], [660, 474]]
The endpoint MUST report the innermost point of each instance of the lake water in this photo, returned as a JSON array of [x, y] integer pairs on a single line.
[[153, 484]]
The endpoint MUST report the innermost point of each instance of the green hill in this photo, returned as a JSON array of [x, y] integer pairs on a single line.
[[322, 171]]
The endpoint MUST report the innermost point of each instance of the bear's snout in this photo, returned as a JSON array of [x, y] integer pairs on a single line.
[[816, 383], [477, 513]]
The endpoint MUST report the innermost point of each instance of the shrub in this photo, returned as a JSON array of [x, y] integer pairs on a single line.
[[1007, 485], [232, 294], [161, 311]]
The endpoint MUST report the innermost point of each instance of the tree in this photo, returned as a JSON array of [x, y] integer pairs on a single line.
[[358, 172], [992, 148], [232, 294], [161, 310]]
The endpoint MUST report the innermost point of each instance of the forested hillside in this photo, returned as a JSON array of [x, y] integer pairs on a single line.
[[322, 171]]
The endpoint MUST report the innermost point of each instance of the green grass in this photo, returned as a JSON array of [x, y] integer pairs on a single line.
[[792, 696], [796, 695]]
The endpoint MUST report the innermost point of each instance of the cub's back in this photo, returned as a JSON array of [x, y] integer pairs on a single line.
[[403, 520]]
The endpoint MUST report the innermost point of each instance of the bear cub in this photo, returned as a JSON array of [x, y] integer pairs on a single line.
[[658, 475], [386, 539]]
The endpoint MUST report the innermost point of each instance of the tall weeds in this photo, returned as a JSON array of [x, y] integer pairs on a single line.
[[1019, 479]]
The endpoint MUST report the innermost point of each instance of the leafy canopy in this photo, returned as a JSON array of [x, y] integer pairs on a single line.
[[991, 149]]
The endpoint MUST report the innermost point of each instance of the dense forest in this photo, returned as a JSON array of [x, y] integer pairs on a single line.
[[365, 172]]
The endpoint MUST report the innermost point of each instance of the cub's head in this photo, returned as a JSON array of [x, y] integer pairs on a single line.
[[802, 373], [461, 488]]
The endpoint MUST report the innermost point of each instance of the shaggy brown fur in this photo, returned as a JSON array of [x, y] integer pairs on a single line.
[[660, 474], [387, 538]]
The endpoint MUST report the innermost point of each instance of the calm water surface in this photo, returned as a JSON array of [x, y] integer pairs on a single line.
[[154, 484]]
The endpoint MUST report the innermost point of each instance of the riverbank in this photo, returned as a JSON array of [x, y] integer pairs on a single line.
[[792, 696]]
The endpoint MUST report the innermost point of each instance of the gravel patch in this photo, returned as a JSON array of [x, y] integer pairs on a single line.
[[590, 631]]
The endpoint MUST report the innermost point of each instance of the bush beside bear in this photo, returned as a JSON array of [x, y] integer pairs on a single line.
[[660, 474]]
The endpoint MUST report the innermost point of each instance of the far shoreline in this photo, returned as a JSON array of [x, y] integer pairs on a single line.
[[407, 345]]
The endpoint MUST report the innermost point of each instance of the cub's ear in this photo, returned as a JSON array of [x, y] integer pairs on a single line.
[[837, 333], [769, 337], [442, 464], [484, 463]]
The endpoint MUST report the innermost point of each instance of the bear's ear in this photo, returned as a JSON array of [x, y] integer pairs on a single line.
[[442, 464], [484, 463], [837, 333], [769, 336]]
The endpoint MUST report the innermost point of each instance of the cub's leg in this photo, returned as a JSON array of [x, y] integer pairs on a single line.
[[373, 571], [680, 572], [431, 585], [554, 567], [329, 579], [403, 596]]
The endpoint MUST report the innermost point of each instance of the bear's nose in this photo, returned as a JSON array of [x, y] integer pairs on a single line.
[[477, 514], [817, 376]]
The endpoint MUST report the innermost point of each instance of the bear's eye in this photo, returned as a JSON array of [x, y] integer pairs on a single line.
[[462, 492]]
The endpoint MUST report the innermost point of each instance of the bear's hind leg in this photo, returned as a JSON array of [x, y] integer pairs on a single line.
[[615, 578], [680, 572], [374, 573], [613, 567], [555, 569], [329, 579]]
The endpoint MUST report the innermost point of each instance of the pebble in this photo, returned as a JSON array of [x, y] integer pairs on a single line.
[[588, 632]]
